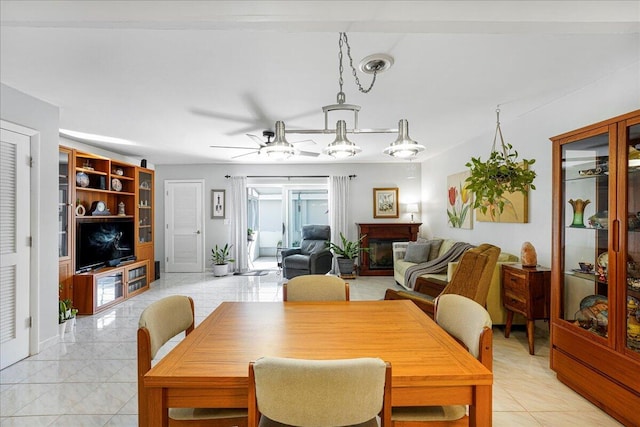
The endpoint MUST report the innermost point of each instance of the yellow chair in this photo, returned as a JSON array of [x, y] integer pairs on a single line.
[[158, 323], [315, 287], [319, 393], [471, 279], [470, 324]]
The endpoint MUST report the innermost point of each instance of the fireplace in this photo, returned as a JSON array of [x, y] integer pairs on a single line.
[[379, 238], [380, 254]]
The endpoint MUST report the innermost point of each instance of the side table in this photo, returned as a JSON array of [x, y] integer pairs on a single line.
[[526, 290]]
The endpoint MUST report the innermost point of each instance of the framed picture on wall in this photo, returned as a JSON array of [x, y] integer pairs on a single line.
[[218, 205], [385, 203]]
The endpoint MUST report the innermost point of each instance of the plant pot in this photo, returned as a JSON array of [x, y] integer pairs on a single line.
[[346, 265], [220, 269], [62, 327], [72, 322]]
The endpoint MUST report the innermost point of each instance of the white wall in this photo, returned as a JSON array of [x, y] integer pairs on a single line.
[[369, 176], [24, 110], [617, 94]]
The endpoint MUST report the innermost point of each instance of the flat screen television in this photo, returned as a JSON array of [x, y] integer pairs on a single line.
[[103, 241]]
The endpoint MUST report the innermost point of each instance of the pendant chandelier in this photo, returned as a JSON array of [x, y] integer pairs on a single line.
[[403, 147]]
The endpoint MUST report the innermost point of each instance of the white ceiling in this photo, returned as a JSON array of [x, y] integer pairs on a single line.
[[174, 77]]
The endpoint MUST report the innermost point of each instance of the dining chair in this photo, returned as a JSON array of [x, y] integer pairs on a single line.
[[469, 324], [319, 393], [158, 323], [471, 279], [315, 287]]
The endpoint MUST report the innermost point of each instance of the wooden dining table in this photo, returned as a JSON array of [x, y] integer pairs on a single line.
[[209, 368]]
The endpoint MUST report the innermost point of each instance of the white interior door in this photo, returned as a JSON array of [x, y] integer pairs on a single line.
[[14, 246], [184, 228]]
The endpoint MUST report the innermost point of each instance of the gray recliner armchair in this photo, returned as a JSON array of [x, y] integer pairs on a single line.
[[313, 255]]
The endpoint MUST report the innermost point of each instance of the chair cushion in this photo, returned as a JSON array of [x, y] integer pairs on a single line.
[[316, 287], [319, 392], [417, 252], [266, 422], [166, 318]]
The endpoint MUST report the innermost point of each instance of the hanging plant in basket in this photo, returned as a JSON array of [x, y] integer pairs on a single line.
[[501, 174]]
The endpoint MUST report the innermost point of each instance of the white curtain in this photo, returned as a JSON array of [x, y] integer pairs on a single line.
[[339, 209], [238, 216]]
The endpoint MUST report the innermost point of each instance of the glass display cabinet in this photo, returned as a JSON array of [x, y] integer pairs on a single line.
[[595, 334], [65, 223], [144, 217]]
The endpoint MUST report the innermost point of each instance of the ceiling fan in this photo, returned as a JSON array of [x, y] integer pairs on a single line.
[[268, 134], [256, 118]]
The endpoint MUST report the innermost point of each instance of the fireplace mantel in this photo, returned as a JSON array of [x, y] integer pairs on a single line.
[[383, 234]]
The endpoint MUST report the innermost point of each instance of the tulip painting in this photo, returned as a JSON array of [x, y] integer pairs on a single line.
[[459, 201]]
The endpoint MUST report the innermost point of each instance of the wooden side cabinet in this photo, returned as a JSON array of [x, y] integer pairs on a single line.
[[526, 290], [103, 288]]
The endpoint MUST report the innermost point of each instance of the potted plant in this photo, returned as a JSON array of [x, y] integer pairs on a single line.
[[346, 253], [64, 314], [221, 257], [251, 234], [501, 174]]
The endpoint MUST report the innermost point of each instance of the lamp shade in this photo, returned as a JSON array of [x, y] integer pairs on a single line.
[[341, 147], [403, 147], [412, 208]]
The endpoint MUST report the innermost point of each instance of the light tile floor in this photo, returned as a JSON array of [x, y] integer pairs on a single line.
[[89, 378]]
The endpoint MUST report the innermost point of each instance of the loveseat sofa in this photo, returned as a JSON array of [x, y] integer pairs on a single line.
[[494, 300]]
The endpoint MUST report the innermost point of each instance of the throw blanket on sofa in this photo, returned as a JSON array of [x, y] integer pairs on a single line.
[[435, 266]]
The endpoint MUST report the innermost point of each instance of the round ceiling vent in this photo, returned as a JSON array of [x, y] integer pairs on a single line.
[[378, 62]]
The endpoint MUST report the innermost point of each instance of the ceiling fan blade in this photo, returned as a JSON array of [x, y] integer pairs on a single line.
[[307, 153], [304, 141], [223, 116], [234, 148], [245, 154], [257, 140]]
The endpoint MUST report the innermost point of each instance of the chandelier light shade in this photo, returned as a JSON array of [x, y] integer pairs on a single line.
[[279, 148], [341, 147], [403, 147]]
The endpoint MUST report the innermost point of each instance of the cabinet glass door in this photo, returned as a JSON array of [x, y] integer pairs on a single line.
[[109, 288], [633, 239], [585, 232], [64, 204], [145, 204]]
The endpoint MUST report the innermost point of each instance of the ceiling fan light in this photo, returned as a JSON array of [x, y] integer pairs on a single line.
[[341, 147], [403, 147], [279, 148]]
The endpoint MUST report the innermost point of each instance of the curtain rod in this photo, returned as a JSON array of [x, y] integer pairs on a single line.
[[289, 176]]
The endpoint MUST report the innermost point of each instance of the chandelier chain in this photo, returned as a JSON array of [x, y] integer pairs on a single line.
[[343, 38], [503, 146]]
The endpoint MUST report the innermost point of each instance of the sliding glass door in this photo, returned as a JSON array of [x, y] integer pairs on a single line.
[[276, 212], [304, 206]]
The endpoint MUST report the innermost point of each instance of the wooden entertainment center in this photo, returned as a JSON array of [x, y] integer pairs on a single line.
[[94, 188]]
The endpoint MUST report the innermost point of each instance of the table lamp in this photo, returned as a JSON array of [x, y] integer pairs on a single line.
[[412, 208]]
